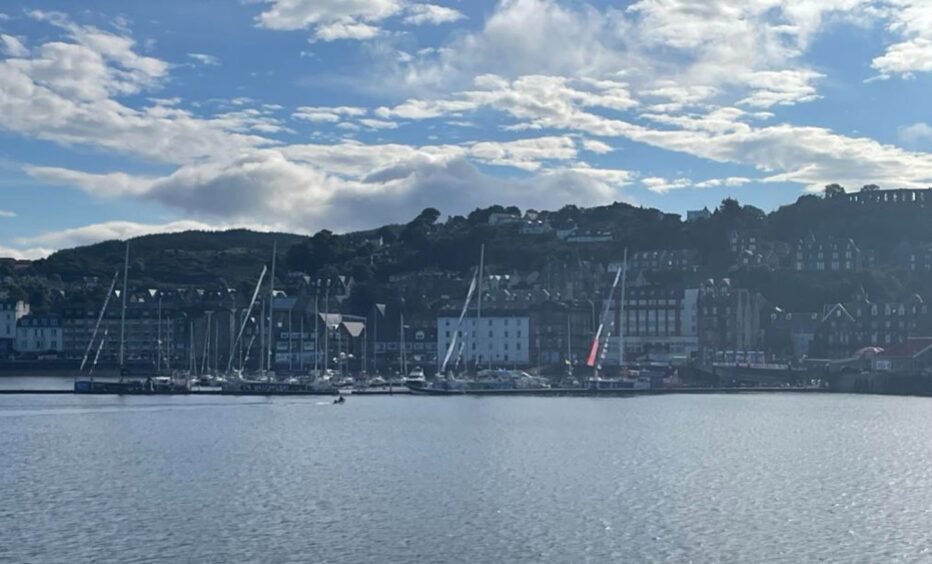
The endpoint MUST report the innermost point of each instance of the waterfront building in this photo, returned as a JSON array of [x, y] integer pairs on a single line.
[[789, 335], [847, 327], [501, 338], [912, 356], [38, 334], [729, 318], [660, 324], [10, 313]]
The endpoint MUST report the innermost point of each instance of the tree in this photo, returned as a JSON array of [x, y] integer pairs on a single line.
[[428, 216], [387, 234], [833, 191], [870, 188]]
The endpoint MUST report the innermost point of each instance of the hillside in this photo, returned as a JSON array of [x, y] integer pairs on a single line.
[[233, 258]]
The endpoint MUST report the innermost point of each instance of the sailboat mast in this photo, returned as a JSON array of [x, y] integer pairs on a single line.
[[317, 329], [479, 305], [404, 352], [327, 327], [246, 315], [268, 364], [621, 313], [158, 352], [123, 312], [100, 318]]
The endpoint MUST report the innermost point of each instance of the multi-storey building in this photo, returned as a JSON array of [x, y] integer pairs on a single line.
[[729, 319], [678, 260], [789, 335], [561, 332], [846, 327], [38, 334], [500, 338], [917, 258], [10, 313], [659, 324], [827, 255], [142, 336]]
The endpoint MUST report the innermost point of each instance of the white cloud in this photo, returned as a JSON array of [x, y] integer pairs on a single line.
[[12, 47], [419, 14], [916, 132], [205, 59], [906, 58], [784, 88], [331, 114], [7, 213], [595, 146], [378, 123], [662, 185], [346, 30], [912, 20], [731, 182], [303, 14], [527, 154], [29, 253]]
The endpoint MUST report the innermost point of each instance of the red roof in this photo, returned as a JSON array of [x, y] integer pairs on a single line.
[[911, 348]]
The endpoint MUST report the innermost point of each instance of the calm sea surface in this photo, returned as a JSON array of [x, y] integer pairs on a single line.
[[749, 478]]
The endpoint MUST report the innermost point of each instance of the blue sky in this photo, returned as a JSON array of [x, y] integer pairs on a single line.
[[122, 118]]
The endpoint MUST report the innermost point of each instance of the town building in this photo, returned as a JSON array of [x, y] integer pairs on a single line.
[[741, 241], [498, 338], [788, 335], [729, 319], [561, 332], [504, 218], [38, 334], [917, 258], [10, 314], [693, 216], [676, 260], [910, 357], [829, 254], [846, 327], [660, 324]]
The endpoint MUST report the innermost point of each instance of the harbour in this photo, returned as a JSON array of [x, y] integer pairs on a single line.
[[526, 479]]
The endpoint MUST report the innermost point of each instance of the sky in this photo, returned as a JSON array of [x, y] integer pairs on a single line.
[[122, 118]]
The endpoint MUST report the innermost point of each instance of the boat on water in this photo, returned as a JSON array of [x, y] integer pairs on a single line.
[[86, 383], [415, 378], [599, 384], [449, 386], [269, 387]]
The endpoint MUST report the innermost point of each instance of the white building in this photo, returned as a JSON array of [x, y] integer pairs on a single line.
[[503, 338], [10, 313], [39, 334]]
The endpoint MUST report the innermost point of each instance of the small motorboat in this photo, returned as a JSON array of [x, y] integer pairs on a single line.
[[340, 400]]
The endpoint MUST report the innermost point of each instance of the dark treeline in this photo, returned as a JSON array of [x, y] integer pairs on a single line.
[[233, 258]]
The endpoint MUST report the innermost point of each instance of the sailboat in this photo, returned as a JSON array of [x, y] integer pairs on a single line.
[[238, 384], [447, 383], [599, 348], [87, 384]]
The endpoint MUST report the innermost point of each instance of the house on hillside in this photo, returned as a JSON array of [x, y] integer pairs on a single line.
[[828, 254]]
